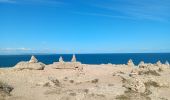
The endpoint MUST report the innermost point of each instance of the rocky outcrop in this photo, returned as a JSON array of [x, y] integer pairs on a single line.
[[67, 65], [33, 64], [130, 63], [134, 84]]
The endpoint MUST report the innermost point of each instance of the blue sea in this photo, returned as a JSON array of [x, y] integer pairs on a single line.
[[117, 58]]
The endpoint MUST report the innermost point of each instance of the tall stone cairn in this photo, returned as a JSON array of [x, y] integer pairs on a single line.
[[33, 60], [159, 63], [61, 59], [167, 63], [73, 58], [130, 63]]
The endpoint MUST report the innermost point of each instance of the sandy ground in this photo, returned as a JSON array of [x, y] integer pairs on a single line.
[[96, 82]]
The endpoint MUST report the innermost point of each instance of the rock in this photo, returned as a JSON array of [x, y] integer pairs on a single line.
[[167, 63], [142, 65], [67, 65], [31, 66], [159, 63], [73, 58], [134, 72], [134, 84], [130, 63], [33, 60], [61, 59]]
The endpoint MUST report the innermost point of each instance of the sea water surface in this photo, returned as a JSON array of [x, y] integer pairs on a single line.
[[117, 58]]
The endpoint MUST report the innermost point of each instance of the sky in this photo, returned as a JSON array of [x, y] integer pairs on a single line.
[[84, 26]]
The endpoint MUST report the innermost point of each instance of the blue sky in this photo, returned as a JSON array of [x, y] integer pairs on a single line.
[[84, 26]]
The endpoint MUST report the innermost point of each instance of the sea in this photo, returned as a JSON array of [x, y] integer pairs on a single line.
[[113, 58]]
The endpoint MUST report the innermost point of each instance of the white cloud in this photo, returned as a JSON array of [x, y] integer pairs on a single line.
[[15, 49]]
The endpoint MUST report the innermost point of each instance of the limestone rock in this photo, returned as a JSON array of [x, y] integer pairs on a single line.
[[134, 72], [167, 63], [130, 63], [135, 84], [31, 66], [142, 65], [33, 60], [61, 59], [67, 65], [73, 58], [159, 63]]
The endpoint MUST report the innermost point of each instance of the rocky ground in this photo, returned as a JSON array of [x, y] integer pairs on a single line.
[[76, 81]]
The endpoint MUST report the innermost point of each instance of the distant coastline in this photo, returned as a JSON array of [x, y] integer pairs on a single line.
[[93, 58]]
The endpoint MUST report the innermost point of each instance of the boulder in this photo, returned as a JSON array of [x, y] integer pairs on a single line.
[[67, 65], [33, 64], [73, 58], [130, 63]]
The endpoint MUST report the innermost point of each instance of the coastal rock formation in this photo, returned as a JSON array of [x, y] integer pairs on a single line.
[[130, 63], [67, 65], [73, 58], [33, 64]]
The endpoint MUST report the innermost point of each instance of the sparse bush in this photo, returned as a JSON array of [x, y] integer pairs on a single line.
[[151, 83], [72, 94], [95, 81], [5, 88], [71, 81], [150, 72], [86, 91]]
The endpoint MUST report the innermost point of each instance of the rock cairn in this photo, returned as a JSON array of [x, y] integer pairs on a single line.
[[32, 64], [167, 63], [73, 58], [61, 59], [130, 63], [33, 60]]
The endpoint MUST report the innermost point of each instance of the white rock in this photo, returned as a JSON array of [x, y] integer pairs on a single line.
[[130, 63], [167, 63], [61, 59], [135, 84], [33, 60], [159, 63], [73, 58]]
